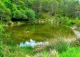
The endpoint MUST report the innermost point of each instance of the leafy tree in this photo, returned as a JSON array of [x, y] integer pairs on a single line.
[[24, 9], [78, 11], [30, 13]]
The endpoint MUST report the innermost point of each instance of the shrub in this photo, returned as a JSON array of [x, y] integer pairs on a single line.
[[42, 15], [64, 20], [30, 13], [76, 21]]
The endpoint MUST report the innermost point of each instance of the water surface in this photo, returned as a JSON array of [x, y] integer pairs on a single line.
[[38, 32]]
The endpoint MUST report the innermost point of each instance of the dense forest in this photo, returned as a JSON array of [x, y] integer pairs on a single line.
[[39, 28], [33, 9]]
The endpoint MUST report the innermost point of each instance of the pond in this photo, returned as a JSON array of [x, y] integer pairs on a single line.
[[38, 32]]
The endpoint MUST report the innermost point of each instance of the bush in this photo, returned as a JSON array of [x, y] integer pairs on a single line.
[[76, 21], [42, 15], [64, 20], [30, 13]]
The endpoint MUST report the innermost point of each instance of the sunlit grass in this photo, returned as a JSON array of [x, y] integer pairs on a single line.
[[71, 52]]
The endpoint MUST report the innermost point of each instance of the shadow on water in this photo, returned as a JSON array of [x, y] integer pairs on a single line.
[[38, 32]]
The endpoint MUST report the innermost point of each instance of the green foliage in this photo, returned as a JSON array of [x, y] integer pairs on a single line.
[[21, 5], [43, 16], [63, 20], [30, 13], [76, 21], [61, 8], [5, 12], [1, 34], [18, 10], [1, 31], [22, 12], [67, 21], [24, 9], [17, 14]]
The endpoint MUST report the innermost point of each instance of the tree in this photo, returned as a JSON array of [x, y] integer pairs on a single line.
[[78, 11]]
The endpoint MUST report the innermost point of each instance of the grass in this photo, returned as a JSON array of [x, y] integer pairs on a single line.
[[71, 52], [45, 53], [14, 51]]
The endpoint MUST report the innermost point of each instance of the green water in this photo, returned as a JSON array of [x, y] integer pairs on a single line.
[[26, 32]]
